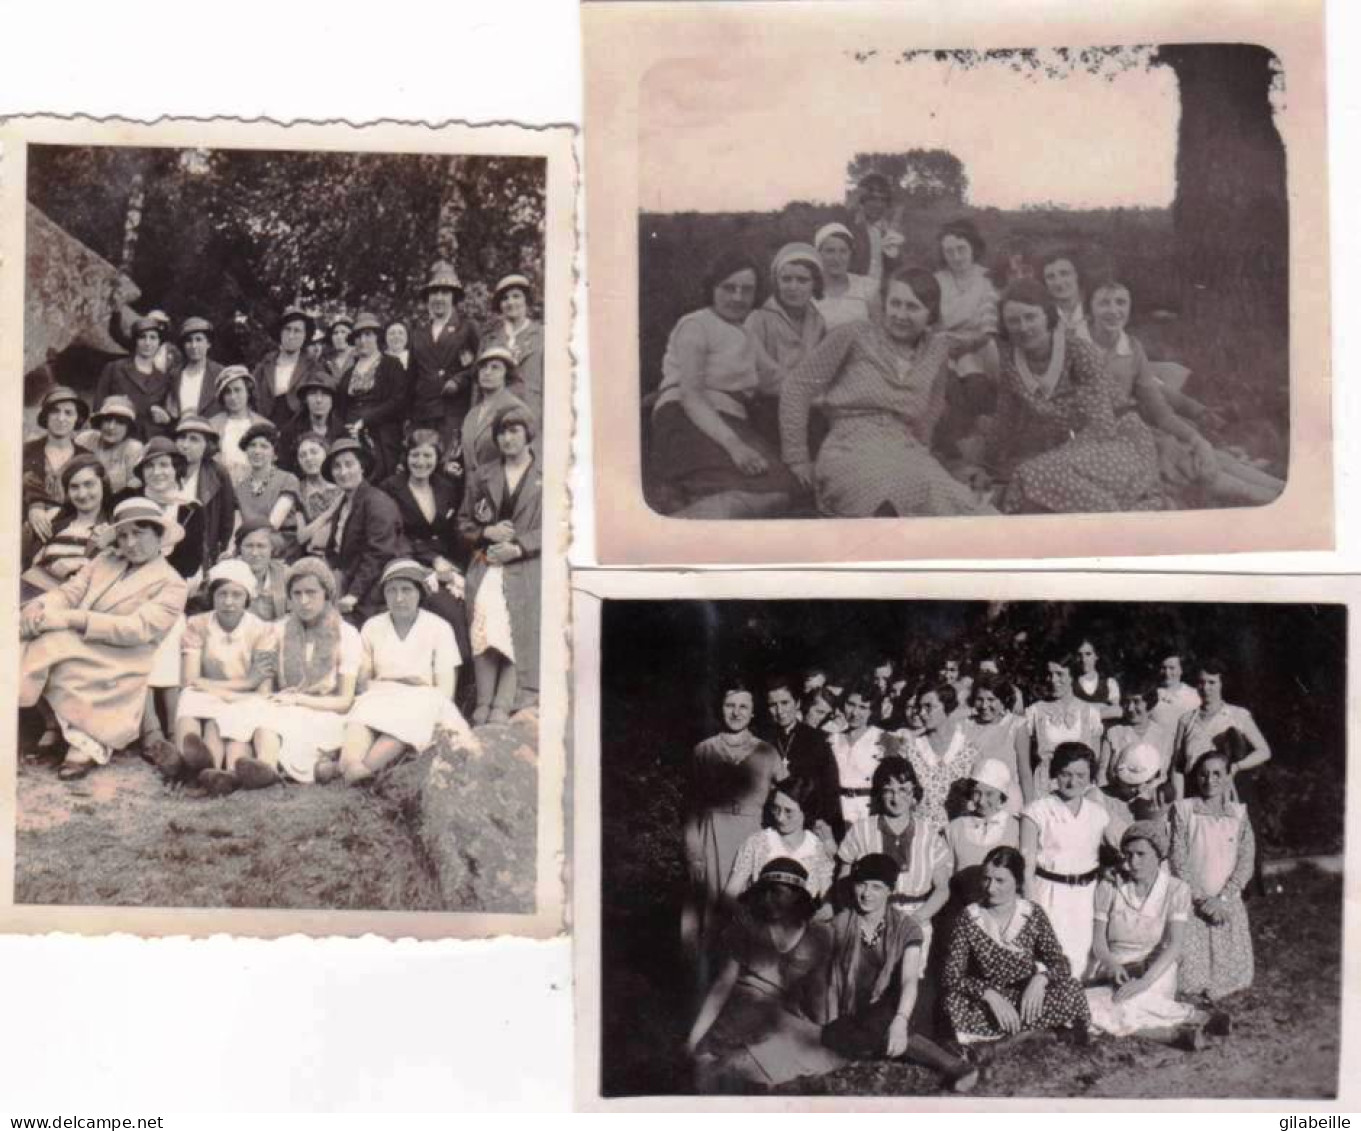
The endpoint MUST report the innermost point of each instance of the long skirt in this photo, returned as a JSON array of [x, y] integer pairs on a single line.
[[757, 1041], [1113, 471], [1217, 960], [1070, 910], [202, 706], [715, 838], [1064, 1005], [407, 713], [1154, 1008], [165, 668], [694, 467], [491, 629], [304, 734], [873, 466]]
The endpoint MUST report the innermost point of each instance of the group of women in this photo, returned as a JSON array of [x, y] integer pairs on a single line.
[[886, 872], [286, 568], [925, 391]]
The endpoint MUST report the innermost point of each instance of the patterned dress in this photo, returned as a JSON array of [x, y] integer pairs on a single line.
[[984, 957], [761, 848], [939, 772], [1065, 450], [1054, 721], [1212, 851], [996, 741], [882, 407]]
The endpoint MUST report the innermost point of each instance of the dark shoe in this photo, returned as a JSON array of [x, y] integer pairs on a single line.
[[498, 716], [165, 758], [74, 771], [251, 773], [327, 771], [1190, 1038], [195, 755], [218, 783], [1220, 1024], [965, 1083], [148, 744]]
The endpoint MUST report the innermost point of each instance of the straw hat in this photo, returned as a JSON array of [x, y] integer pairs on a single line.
[[1138, 764], [63, 394], [195, 325], [404, 569], [443, 277], [141, 510], [511, 282]]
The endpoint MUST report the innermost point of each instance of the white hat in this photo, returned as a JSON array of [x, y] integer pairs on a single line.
[[1138, 764], [833, 230], [237, 572], [994, 775]]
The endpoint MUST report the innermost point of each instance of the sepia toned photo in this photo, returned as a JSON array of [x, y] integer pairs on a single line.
[[965, 837], [1046, 282], [292, 437]]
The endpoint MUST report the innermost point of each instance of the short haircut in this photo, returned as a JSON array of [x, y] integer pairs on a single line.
[[729, 263], [1066, 753], [893, 768], [966, 230], [1004, 856], [797, 789], [923, 284], [999, 687], [1027, 292]]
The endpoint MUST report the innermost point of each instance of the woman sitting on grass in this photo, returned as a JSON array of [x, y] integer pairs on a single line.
[[410, 658], [1005, 971], [1137, 938], [299, 712], [876, 963]]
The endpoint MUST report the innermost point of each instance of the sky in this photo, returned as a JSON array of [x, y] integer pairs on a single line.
[[738, 134]]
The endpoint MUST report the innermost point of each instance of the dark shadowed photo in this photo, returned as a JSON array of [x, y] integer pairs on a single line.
[[1029, 282], [881, 848]]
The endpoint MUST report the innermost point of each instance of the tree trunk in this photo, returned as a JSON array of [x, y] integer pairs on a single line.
[[452, 206]]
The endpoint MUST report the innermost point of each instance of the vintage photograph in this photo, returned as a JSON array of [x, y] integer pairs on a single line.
[[282, 523], [1002, 847], [1051, 281]]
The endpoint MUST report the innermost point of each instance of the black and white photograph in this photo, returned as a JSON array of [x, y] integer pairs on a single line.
[[910, 848], [285, 510], [955, 282]]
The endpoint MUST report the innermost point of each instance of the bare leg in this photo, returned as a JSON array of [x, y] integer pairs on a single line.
[[212, 738], [267, 745], [384, 752], [485, 668], [506, 684], [359, 740], [235, 752], [151, 722], [170, 696]]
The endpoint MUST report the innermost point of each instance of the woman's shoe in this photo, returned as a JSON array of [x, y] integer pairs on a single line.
[[218, 783], [1219, 1024], [251, 773], [327, 771], [195, 755], [480, 713], [74, 771], [1191, 1038], [498, 717]]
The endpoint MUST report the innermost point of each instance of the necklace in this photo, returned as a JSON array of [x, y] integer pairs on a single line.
[[259, 486]]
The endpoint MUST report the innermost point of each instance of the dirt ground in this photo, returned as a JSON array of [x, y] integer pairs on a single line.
[[122, 837]]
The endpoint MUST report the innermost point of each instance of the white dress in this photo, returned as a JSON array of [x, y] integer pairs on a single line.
[[222, 655], [305, 733], [1134, 929], [855, 763], [761, 848], [1069, 844], [403, 698], [854, 306], [997, 741], [1050, 723], [1173, 703]]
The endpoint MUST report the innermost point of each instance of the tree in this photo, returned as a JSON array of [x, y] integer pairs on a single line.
[[919, 175]]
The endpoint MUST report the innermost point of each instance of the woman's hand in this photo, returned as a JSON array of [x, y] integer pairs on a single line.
[[747, 459], [803, 472], [499, 532], [823, 831], [65, 567], [31, 619], [347, 603], [503, 553], [1212, 909], [159, 415], [1008, 1020], [897, 1036], [1131, 987], [1114, 971], [1032, 1001], [39, 518]]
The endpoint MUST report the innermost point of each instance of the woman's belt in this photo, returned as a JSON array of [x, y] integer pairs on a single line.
[[1079, 880], [898, 897]]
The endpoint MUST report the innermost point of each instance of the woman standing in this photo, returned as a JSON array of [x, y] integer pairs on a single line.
[[846, 298], [786, 834], [72, 540], [1137, 941], [1005, 971], [1060, 718], [89, 645], [276, 377], [707, 457], [882, 387], [1138, 727], [411, 659], [114, 440], [520, 334], [317, 419], [236, 396], [502, 518], [1061, 837], [339, 355], [1213, 849], [1092, 685], [731, 774], [372, 396], [366, 532], [193, 389], [1057, 441], [968, 310], [941, 754], [858, 751], [139, 378], [60, 414], [786, 327], [495, 373], [993, 730], [207, 484], [299, 713]]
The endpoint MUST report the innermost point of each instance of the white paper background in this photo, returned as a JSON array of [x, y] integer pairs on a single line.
[[133, 1027]]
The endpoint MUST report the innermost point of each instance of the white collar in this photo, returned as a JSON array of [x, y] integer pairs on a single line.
[[1044, 384], [1003, 936]]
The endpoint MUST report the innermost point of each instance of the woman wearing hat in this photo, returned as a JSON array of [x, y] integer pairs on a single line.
[[1138, 935], [371, 397], [875, 968], [88, 499], [266, 491], [139, 378], [366, 533], [194, 388], [495, 374], [442, 354], [339, 354], [411, 659], [501, 518], [989, 823], [279, 372], [318, 419], [845, 297], [761, 1021], [90, 644], [216, 654], [61, 413], [115, 440], [236, 416], [298, 714], [206, 483], [1133, 782], [522, 336], [787, 326]]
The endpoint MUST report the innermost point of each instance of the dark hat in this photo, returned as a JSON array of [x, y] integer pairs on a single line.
[[512, 415], [161, 446], [195, 325], [510, 283], [316, 379], [341, 320], [368, 322], [62, 394], [876, 866], [148, 324], [255, 431], [340, 447], [443, 277], [294, 314]]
